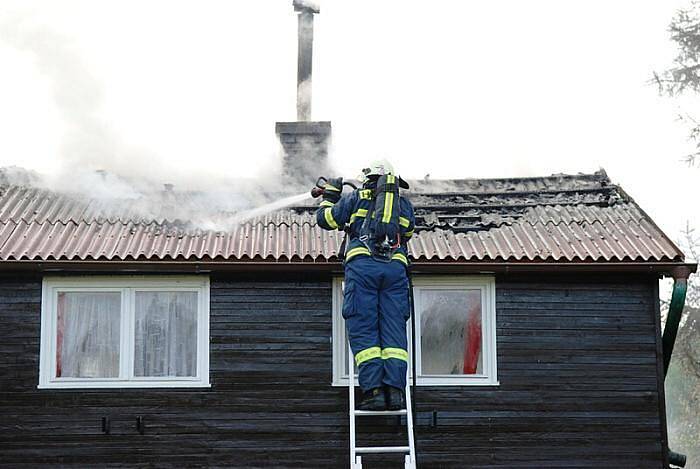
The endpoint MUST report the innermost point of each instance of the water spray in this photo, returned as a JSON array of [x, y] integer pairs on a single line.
[[316, 191], [271, 207]]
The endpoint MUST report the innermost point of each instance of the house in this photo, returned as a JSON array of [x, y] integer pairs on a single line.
[[132, 341], [142, 343]]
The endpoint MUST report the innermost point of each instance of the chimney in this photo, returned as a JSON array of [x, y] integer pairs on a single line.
[[305, 142]]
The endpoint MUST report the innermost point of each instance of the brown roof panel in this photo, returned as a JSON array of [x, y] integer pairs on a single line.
[[561, 218]]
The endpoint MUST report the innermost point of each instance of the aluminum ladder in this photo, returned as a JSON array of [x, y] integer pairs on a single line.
[[355, 451]]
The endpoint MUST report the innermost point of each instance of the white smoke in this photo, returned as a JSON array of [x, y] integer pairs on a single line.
[[88, 140], [97, 166]]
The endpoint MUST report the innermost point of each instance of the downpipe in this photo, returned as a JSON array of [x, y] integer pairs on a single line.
[[675, 313]]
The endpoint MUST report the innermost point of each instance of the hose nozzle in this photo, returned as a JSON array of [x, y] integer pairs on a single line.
[[319, 188]]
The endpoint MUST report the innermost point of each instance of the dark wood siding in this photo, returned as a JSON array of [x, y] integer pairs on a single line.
[[578, 387]]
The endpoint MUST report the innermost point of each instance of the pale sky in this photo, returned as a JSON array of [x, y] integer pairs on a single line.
[[191, 90]]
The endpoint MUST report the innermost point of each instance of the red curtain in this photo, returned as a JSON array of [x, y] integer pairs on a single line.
[[472, 342], [60, 313]]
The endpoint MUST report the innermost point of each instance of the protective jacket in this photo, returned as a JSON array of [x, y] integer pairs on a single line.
[[375, 297], [351, 210]]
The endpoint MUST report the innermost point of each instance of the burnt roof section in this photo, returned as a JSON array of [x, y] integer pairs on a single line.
[[464, 205], [559, 218]]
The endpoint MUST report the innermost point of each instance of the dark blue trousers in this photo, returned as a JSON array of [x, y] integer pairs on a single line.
[[375, 308]]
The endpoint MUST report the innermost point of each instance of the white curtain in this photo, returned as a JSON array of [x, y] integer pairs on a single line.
[[166, 334], [445, 319], [88, 334]]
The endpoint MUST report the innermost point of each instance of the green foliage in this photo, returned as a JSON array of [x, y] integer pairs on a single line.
[[683, 390], [683, 380], [684, 75]]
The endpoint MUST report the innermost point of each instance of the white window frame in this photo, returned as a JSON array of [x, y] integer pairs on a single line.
[[127, 286], [485, 283]]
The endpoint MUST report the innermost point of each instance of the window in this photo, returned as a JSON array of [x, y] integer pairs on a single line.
[[101, 332], [455, 331]]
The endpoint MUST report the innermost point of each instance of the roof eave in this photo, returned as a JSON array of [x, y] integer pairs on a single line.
[[442, 267]]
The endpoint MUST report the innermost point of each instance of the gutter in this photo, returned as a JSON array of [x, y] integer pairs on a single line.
[[334, 266], [675, 313]]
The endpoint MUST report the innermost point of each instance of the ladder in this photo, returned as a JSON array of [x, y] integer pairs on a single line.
[[355, 451]]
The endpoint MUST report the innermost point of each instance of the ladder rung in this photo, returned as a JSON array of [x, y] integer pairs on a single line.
[[383, 449], [380, 412]]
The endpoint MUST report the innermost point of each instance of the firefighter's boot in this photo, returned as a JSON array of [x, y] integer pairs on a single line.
[[395, 398], [373, 400]]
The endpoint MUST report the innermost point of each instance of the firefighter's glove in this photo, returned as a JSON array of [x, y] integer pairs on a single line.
[[333, 189]]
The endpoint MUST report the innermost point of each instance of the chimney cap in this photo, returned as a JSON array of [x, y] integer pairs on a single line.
[[306, 6], [303, 128]]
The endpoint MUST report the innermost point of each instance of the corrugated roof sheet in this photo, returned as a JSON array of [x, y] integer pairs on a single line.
[[558, 218]]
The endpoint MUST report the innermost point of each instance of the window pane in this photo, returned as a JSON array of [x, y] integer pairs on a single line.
[[166, 334], [450, 332], [87, 341], [344, 355], [344, 348]]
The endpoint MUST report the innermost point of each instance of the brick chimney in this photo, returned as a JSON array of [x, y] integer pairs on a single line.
[[304, 142]]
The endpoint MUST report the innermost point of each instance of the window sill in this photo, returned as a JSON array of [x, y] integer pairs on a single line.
[[123, 384], [432, 383]]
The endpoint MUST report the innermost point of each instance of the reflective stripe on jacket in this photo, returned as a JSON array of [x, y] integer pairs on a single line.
[[351, 210]]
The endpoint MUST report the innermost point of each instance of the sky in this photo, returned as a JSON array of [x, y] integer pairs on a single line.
[[189, 92]]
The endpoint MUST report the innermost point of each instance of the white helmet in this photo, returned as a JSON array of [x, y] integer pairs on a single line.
[[379, 168]]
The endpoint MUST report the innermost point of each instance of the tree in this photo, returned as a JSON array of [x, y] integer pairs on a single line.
[[683, 77], [683, 380]]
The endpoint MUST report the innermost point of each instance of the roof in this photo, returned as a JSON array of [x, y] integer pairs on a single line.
[[559, 218]]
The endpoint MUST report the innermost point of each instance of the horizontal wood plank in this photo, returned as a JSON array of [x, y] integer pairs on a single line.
[[577, 369]]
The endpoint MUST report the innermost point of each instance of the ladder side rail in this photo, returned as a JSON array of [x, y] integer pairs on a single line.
[[409, 413], [351, 409]]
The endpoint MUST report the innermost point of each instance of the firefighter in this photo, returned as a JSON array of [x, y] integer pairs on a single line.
[[379, 222]]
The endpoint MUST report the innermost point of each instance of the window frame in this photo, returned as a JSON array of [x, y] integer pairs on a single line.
[[127, 286], [485, 283]]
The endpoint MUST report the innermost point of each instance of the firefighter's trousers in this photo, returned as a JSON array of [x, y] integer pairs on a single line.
[[375, 308]]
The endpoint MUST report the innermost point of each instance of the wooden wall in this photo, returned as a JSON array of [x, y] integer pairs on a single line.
[[578, 366]]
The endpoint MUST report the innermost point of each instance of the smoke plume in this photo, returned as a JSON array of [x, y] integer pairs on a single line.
[[96, 166]]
